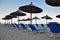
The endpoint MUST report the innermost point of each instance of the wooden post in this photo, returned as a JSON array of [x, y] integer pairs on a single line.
[[36, 21], [46, 21], [31, 13], [11, 20], [31, 18], [18, 20], [5, 21]]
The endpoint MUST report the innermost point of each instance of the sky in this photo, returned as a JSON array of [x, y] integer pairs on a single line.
[[8, 6]]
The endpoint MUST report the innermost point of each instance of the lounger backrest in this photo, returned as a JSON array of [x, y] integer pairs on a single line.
[[23, 26], [13, 25], [36, 25], [10, 25], [42, 25], [17, 25], [54, 27], [32, 27]]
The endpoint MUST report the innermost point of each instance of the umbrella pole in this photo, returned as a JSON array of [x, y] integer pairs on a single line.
[[36, 21], [11, 21], [46, 21], [18, 19], [23, 22], [31, 18], [5, 21]]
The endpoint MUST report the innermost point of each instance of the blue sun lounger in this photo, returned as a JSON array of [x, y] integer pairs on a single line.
[[23, 26], [17, 26], [9, 25], [33, 28], [40, 25], [54, 28], [12, 25]]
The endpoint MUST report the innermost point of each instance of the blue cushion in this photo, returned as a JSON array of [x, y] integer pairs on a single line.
[[23, 26], [32, 27], [54, 27]]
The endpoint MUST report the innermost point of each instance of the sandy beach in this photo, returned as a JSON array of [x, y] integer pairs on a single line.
[[8, 33]]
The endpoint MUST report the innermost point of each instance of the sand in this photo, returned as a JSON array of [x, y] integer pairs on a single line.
[[8, 33]]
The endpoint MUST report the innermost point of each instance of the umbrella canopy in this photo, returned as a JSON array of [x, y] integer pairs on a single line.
[[35, 17], [28, 19], [6, 18], [58, 16], [46, 17], [31, 8], [53, 2], [23, 20], [12, 16], [18, 13]]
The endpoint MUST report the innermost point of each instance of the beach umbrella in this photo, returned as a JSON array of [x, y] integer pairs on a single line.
[[47, 18], [53, 2], [58, 16], [36, 18], [18, 13], [11, 16], [31, 9], [29, 19], [6, 18], [23, 20]]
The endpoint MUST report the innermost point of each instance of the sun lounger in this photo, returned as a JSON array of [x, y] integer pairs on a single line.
[[33, 28], [54, 28], [14, 26], [8, 25], [17, 26], [23, 26]]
